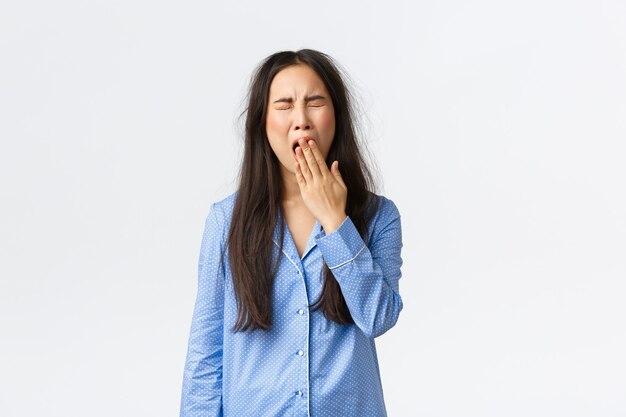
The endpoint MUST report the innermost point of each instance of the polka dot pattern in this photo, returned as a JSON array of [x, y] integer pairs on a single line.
[[305, 365]]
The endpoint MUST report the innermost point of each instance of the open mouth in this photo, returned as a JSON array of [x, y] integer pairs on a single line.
[[296, 144]]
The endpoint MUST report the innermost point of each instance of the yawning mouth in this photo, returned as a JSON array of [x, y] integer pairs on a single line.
[[295, 144]]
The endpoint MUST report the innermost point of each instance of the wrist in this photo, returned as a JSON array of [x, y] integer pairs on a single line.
[[333, 224]]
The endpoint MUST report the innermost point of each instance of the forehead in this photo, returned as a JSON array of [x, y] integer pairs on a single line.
[[298, 79]]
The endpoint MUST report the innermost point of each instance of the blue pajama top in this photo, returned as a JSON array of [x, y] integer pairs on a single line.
[[305, 365]]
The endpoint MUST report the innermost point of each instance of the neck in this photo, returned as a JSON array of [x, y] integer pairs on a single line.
[[291, 190]]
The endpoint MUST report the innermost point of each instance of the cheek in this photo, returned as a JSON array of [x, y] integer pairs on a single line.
[[274, 123], [327, 124]]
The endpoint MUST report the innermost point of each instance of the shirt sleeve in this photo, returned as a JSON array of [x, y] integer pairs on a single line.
[[202, 381], [368, 276]]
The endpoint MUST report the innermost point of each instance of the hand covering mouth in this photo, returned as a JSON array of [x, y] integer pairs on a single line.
[[295, 144]]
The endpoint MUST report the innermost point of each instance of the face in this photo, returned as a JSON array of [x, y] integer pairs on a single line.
[[299, 106]]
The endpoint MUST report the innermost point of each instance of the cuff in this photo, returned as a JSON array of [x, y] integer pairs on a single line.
[[342, 245]]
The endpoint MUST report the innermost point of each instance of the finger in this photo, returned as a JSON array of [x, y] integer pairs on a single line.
[[304, 167], [321, 163], [334, 168], [311, 161], [299, 178]]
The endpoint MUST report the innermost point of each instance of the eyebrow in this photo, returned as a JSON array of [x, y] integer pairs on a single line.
[[307, 99]]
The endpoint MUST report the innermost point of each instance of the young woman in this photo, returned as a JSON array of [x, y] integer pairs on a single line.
[[299, 268]]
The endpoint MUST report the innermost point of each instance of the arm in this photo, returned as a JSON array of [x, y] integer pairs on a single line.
[[202, 381], [368, 277]]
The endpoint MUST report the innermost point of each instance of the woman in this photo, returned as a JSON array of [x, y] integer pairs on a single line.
[[299, 268]]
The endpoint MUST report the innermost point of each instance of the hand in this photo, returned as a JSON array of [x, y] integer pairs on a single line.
[[324, 193]]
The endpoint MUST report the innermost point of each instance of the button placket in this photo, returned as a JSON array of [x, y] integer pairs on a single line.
[[299, 274]]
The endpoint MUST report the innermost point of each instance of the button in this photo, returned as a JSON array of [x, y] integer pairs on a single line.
[[301, 311], [300, 353], [299, 393]]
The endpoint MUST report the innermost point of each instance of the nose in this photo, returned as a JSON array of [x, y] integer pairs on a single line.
[[301, 119]]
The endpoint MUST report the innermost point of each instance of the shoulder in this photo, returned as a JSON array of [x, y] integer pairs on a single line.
[[386, 209], [221, 210], [382, 216], [386, 218], [226, 204]]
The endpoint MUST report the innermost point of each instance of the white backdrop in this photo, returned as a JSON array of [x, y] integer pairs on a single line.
[[499, 131]]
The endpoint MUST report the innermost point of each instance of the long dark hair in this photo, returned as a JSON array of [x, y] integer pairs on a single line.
[[258, 202]]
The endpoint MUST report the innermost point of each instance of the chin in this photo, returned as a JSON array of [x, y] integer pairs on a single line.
[[289, 168]]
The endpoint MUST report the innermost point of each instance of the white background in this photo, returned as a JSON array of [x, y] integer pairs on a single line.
[[499, 131]]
